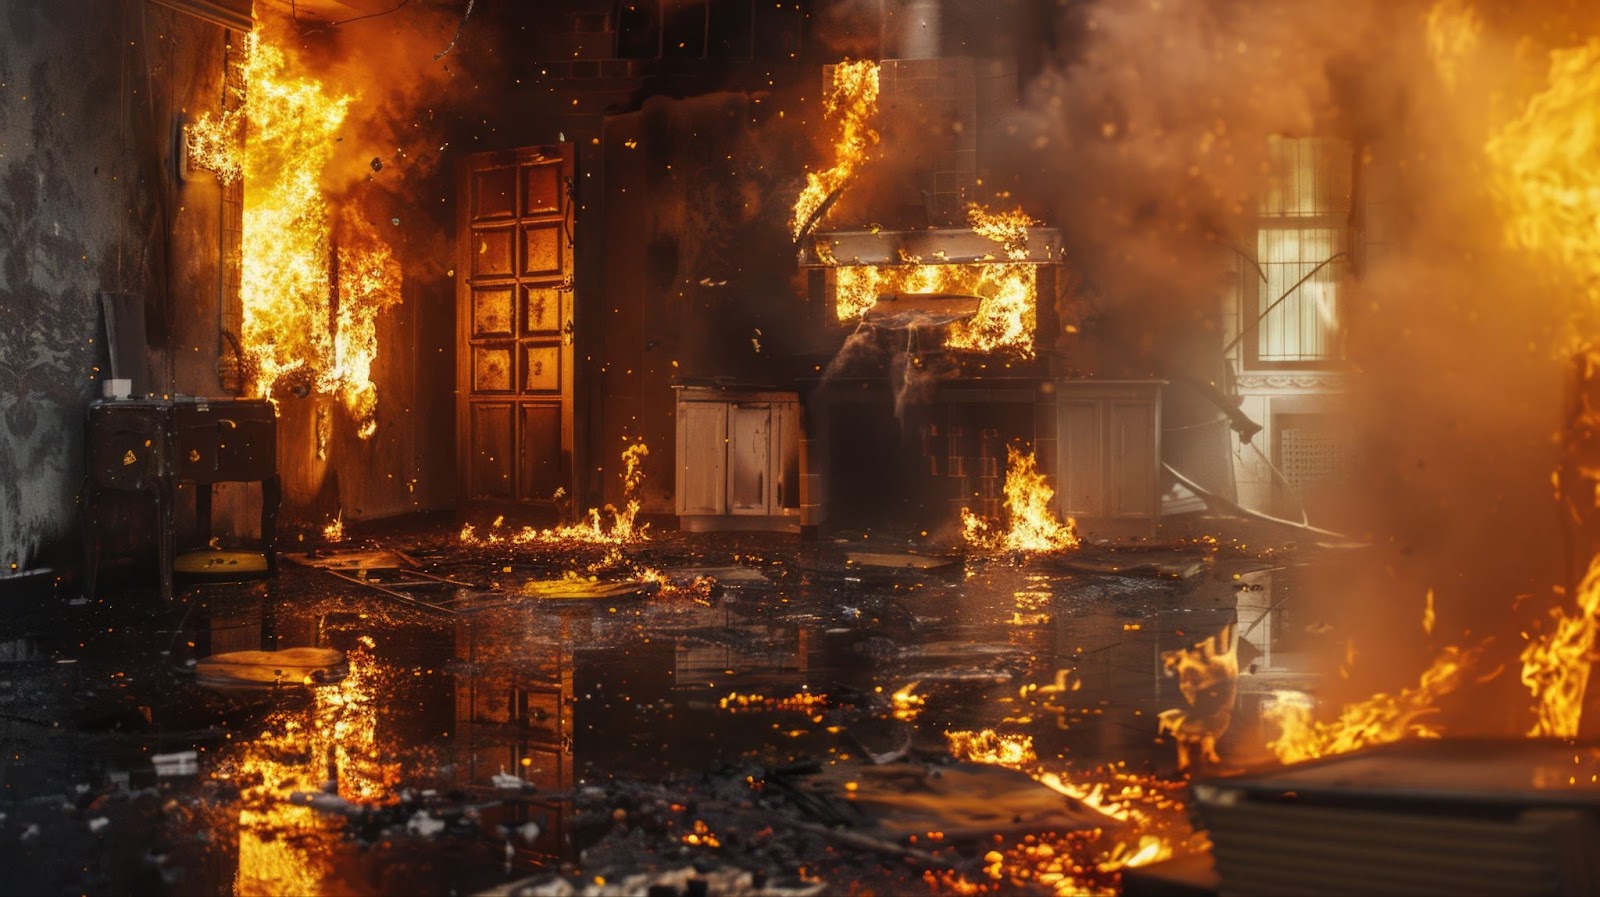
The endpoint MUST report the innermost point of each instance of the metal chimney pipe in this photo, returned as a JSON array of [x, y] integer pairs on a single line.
[[919, 29]]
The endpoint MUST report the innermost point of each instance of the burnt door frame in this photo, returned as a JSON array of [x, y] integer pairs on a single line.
[[514, 324]]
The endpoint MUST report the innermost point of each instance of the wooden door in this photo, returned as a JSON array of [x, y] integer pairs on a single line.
[[514, 324]]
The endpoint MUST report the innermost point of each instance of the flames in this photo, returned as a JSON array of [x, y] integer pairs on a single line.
[[1545, 172], [1555, 667], [1033, 525], [1542, 162], [1379, 719], [1208, 678], [313, 278], [852, 105], [609, 526], [1007, 288], [284, 845], [1152, 825]]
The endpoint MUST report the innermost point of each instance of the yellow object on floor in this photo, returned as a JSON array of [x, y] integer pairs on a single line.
[[221, 563]]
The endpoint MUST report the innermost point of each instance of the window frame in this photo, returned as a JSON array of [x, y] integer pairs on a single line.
[[1334, 208]]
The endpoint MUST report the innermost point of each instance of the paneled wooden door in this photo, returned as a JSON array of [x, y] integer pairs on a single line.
[[514, 324]]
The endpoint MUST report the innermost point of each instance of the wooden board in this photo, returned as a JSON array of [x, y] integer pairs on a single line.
[[898, 560], [581, 589], [291, 666], [1158, 564], [352, 559], [967, 802]]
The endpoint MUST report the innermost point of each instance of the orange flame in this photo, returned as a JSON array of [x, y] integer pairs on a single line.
[[1544, 166], [1033, 525], [1208, 677], [1007, 289], [1546, 180], [852, 102], [301, 324], [595, 529], [1555, 667], [1379, 719], [284, 846], [1082, 863]]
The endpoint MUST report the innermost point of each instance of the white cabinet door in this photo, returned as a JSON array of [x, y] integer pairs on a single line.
[[750, 480], [702, 454]]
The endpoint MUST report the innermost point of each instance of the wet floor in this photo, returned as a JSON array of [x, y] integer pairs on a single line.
[[477, 736]]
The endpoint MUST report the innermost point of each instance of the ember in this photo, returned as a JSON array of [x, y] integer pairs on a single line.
[[1153, 822]]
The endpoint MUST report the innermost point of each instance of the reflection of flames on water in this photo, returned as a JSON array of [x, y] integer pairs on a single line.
[[1208, 677], [312, 281], [284, 845], [1033, 525], [595, 529], [1153, 825], [907, 703], [701, 835], [1007, 290], [801, 701], [852, 102]]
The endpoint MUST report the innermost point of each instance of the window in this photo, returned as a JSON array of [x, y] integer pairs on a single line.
[[1301, 245]]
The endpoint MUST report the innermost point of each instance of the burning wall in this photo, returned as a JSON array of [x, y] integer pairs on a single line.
[[330, 133]]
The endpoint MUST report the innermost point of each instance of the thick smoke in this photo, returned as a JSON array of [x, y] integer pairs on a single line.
[[1145, 143], [897, 347], [395, 137]]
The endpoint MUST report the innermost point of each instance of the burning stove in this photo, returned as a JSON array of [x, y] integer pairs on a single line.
[[939, 328], [942, 337]]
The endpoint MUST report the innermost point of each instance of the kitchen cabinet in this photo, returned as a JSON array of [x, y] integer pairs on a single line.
[[1110, 454], [738, 459]]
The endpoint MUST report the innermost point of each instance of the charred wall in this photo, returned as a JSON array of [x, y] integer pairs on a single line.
[[90, 202], [700, 280]]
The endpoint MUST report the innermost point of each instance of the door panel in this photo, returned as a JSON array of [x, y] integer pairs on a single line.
[[490, 462], [514, 324], [541, 310], [702, 447], [749, 459], [541, 452], [1133, 445], [492, 255], [494, 192], [541, 249], [491, 312], [1080, 481]]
